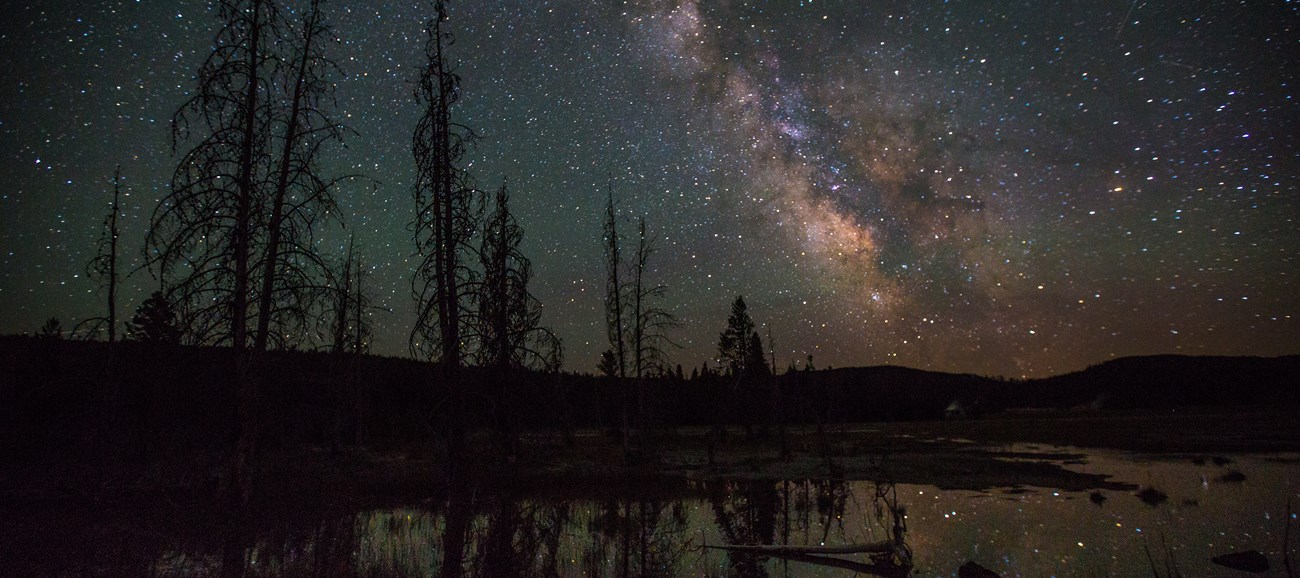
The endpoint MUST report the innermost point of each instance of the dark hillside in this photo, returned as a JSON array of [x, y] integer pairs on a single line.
[[1174, 381]]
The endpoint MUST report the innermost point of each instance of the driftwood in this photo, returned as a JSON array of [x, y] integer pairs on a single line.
[[879, 566], [773, 549]]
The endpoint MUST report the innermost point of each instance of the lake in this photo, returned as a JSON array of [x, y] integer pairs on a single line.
[[1164, 515]]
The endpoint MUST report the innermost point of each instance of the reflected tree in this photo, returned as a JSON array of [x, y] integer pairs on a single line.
[[745, 513], [521, 539], [641, 538]]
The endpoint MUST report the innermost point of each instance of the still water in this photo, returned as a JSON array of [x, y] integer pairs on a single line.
[[1204, 507]]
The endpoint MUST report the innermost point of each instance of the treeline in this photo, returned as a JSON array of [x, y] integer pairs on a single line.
[[165, 400]]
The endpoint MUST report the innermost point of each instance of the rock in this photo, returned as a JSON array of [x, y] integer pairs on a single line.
[[1248, 561], [972, 570]]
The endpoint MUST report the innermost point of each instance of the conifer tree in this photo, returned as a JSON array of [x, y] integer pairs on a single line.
[[154, 321], [736, 343]]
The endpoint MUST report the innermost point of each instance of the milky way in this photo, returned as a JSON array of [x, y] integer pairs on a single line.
[[1001, 188]]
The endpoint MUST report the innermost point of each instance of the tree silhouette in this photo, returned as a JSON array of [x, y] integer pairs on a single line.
[[350, 328], [636, 327], [233, 239], [736, 342], [51, 329], [200, 236], [291, 269], [507, 317], [509, 331], [103, 268], [614, 288], [741, 351], [650, 322], [448, 209], [614, 311], [154, 321], [608, 365]]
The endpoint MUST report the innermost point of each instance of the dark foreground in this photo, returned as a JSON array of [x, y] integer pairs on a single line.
[[1068, 493]]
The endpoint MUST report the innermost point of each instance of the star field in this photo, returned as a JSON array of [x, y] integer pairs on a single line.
[[1013, 189]]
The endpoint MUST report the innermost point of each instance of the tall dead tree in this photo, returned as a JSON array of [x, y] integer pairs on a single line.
[[636, 327], [200, 236], [233, 239], [293, 272], [615, 312], [448, 209], [349, 328], [650, 322], [200, 240], [614, 288], [508, 331], [102, 268]]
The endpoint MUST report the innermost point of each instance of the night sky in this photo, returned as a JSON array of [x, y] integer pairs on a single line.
[[1004, 188]]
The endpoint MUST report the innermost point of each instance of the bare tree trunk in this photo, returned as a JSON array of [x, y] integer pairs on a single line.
[[112, 251], [245, 444], [614, 308], [778, 402], [638, 333], [276, 225]]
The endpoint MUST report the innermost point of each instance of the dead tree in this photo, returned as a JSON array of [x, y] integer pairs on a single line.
[[232, 240], [293, 272], [448, 210], [509, 333], [103, 268], [200, 235], [350, 328], [614, 287], [200, 240], [650, 322], [615, 304], [637, 328]]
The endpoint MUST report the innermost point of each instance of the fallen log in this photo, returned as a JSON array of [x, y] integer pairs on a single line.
[[883, 547]]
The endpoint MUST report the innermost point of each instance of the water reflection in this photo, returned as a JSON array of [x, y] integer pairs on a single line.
[[726, 528], [748, 517]]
